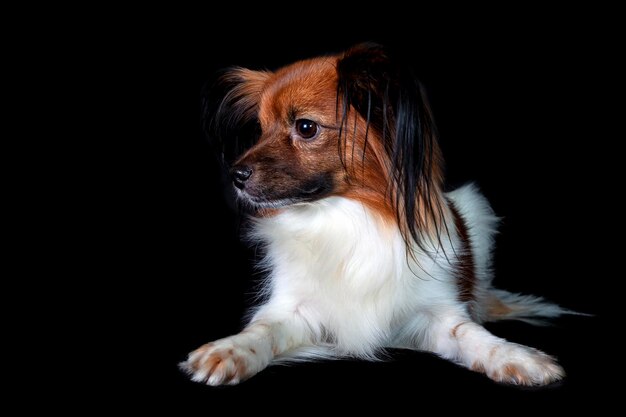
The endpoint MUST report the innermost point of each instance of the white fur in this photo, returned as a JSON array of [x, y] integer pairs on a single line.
[[341, 284]]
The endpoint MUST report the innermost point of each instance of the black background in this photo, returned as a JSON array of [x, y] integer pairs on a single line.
[[522, 108]]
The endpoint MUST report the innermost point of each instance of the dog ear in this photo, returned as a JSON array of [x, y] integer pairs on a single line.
[[364, 81], [230, 111], [385, 92]]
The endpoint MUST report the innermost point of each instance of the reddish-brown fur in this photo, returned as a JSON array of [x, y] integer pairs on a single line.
[[456, 328], [496, 308], [514, 373], [308, 89], [478, 367]]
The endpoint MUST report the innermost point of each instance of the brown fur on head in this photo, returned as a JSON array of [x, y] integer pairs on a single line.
[[355, 125]]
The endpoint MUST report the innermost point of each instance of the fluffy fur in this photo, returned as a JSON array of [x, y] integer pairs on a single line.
[[363, 248]]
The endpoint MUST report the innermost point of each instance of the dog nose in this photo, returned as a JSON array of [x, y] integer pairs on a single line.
[[240, 175]]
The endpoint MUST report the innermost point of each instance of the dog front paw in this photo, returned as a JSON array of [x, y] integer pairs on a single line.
[[223, 362], [520, 365]]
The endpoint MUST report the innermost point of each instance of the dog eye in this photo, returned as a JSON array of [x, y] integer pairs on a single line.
[[306, 128]]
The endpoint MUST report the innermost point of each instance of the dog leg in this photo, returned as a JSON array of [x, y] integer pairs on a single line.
[[236, 358], [470, 344]]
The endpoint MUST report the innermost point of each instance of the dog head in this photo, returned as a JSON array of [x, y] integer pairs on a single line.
[[355, 124]]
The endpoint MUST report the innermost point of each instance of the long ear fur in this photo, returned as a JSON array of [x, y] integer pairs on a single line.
[[230, 111], [392, 101]]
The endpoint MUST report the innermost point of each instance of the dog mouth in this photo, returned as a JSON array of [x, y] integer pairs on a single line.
[[261, 200]]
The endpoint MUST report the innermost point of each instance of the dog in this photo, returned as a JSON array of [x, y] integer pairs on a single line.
[[363, 248]]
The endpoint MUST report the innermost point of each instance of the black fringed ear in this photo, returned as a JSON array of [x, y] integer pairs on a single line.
[[364, 79], [230, 109], [386, 93]]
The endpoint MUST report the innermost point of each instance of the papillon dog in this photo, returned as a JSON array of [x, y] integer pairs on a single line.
[[363, 249]]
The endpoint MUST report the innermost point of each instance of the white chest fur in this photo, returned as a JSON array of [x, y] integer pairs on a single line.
[[344, 270]]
